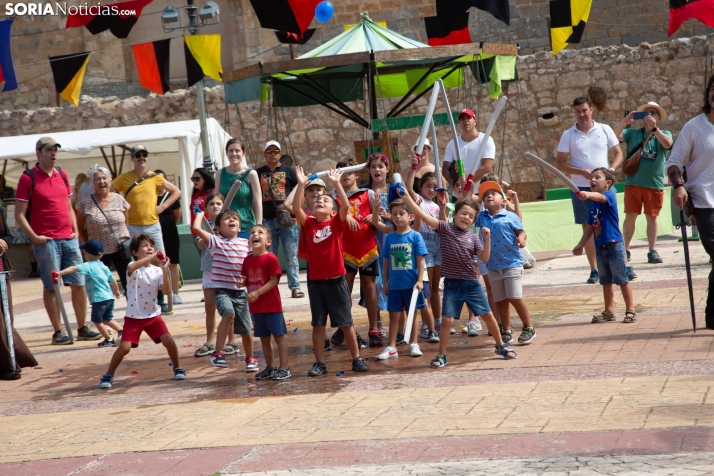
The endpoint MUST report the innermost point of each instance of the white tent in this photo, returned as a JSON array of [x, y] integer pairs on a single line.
[[177, 145]]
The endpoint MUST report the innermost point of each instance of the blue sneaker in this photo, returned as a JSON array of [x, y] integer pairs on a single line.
[[179, 373], [106, 381], [164, 308], [593, 277], [630, 273]]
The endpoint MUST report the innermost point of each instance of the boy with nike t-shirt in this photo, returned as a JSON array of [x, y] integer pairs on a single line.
[[326, 285]]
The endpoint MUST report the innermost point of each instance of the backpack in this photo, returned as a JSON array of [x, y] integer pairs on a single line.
[[32, 187]]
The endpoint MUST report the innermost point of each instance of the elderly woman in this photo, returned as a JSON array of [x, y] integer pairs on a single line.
[[104, 215], [248, 201]]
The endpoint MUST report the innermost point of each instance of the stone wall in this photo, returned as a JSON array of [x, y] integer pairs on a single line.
[[671, 73]]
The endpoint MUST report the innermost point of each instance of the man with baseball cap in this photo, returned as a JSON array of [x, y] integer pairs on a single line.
[[646, 187], [582, 149], [142, 188], [469, 142], [43, 209], [276, 183]]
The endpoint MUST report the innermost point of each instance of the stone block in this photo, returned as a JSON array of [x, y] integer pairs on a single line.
[[575, 79]]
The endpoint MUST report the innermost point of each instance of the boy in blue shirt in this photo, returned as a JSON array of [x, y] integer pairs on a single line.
[[505, 263], [102, 289], [609, 245], [403, 256]]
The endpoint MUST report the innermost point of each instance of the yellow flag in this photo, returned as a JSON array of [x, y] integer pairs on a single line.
[[206, 50], [567, 22]]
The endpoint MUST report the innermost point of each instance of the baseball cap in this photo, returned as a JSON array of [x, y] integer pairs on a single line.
[[138, 148], [46, 143], [318, 181], [467, 112], [272, 142], [488, 185], [93, 247]]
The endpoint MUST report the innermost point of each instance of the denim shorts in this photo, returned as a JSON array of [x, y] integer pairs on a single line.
[[266, 324], [399, 300], [154, 231], [102, 311], [330, 297], [58, 255], [611, 265], [581, 208], [458, 292], [433, 249], [232, 301]]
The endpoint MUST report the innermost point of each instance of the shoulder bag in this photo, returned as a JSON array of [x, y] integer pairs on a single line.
[[141, 179], [631, 165], [124, 246]]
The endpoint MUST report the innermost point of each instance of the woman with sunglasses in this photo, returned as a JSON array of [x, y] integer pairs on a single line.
[[203, 185], [248, 201]]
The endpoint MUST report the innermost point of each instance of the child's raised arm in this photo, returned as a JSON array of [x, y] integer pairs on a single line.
[[594, 196], [299, 194], [334, 175], [485, 253], [376, 222], [288, 203], [418, 212], [516, 203], [196, 227], [166, 283]]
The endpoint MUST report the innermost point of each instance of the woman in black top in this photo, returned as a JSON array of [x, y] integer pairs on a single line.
[[168, 219]]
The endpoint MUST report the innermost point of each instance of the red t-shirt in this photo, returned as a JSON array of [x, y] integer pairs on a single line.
[[198, 198], [49, 212], [258, 270], [323, 243]]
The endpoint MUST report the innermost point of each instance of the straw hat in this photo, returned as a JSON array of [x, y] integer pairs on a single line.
[[654, 105]]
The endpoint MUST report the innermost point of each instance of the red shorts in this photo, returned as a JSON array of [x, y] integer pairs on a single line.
[[154, 326], [637, 197]]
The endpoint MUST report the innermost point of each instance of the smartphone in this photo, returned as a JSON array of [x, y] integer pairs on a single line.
[[640, 115]]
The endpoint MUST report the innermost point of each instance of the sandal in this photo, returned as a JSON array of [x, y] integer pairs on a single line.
[[205, 350], [630, 317], [297, 293], [439, 361], [506, 351], [603, 317], [231, 348]]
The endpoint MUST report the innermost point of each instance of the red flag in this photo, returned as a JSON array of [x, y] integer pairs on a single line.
[[119, 18], [152, 65], [457, 35], [682, 10]]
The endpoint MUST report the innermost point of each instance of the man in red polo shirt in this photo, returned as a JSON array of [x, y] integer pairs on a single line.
[[52, 229]]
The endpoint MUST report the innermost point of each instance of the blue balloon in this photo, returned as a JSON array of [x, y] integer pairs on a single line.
[[324, 11]]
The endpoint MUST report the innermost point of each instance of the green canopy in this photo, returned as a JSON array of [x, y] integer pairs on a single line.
[[389, 64]]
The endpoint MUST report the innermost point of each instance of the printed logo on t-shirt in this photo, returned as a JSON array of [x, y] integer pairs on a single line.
[[322, 234], [596, 222], [401, 256], [255, 279]]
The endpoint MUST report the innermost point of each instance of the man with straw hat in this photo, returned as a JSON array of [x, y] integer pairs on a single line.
[[645, 188]]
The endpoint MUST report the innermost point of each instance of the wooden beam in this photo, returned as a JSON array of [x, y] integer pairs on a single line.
[[319, 62], [114, 161], [420, 53], [242, 73], [4, 166], [106, 159], [499, 49], [121, 166]]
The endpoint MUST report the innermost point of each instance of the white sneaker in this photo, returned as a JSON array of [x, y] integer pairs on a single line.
[[471, 328], [414, 350], [177, 299], [465, 329], [477, 323], [388, 353], [452, 331]]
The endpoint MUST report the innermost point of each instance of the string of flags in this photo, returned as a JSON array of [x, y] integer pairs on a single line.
[[567, 22]]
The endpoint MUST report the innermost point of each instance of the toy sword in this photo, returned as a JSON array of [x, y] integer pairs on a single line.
[[5, 296], [346, 170], [555, 171], [410, 315], [205, 223], [427, 121], [397, 179], [58, 293], [454, 138], [231, 195], [484, 141]]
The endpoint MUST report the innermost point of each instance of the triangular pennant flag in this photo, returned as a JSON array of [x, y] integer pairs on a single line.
[[293, 16], [203, 57], [288, 38], [119, 18], [567, 22], [152, 65], [68, 72], [457, 35], [8, 80], [682, 10]]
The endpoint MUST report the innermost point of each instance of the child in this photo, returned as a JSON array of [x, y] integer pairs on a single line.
[[327, 286], [403, 255], [262, 274], [212, 205], [227, 255], [609, 245], [505, 264], [360, 250], [146, 275], [101, 296], [461, 284]]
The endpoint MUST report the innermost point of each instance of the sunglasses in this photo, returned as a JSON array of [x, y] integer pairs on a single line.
[[196, 179], [272, 152], [144, 155]]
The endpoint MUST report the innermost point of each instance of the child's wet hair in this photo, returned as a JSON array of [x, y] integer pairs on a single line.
[[267, 231], [136, 242], [398, 202], [607, 173], [466, 202]]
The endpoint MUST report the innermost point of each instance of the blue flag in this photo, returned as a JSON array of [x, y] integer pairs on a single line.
[[7, 70]]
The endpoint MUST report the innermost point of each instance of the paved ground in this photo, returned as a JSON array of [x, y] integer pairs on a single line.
[[613, 398]]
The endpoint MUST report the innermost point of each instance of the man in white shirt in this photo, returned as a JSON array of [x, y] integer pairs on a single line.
[[583, 148], [693, 150], [469, 143]]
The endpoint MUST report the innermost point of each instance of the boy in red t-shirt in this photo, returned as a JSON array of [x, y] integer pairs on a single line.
[[261, 273], [327, 286]]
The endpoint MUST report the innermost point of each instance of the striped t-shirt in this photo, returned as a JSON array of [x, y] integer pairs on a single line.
[[227, 264], [457, 249]]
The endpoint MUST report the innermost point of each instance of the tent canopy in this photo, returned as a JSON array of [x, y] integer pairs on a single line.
[[166, 140], [390, 64]]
